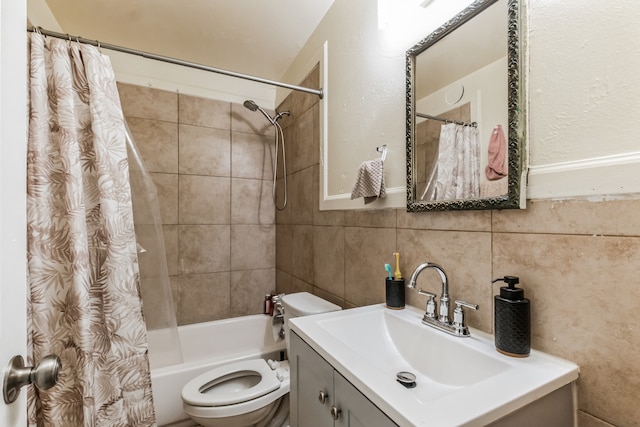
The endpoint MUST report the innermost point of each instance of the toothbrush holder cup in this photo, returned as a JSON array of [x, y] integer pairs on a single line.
[[395, 293]]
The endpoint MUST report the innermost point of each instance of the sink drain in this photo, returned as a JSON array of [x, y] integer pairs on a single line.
[[407, 379]]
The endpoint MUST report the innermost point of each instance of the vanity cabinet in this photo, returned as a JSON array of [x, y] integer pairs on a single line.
[[321, 397]]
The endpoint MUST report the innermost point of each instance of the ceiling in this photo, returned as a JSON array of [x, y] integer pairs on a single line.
[[256, 37]]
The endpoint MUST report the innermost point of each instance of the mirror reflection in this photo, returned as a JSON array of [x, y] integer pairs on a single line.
[[460, 152]]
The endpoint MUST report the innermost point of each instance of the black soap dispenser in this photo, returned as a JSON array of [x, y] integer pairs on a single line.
[[512, 318]]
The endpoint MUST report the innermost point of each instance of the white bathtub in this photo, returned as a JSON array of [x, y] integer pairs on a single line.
[[205, 346]]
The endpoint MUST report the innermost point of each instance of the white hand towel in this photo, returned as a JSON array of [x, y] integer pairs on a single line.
[[370, 181]]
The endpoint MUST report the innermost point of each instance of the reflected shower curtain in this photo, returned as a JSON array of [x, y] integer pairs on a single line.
[[84, 299], [458, 163]]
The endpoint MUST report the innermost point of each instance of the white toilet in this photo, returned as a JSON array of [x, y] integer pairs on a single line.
[[249, 393]]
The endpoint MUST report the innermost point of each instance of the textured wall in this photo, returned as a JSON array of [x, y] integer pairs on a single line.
[[585, 86], [211, 163]]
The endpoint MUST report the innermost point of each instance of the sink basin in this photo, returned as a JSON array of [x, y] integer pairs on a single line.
[[459, 380], [392, 339]]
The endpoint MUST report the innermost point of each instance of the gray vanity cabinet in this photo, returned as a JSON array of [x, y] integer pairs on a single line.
[[311, 386], [321, 397]]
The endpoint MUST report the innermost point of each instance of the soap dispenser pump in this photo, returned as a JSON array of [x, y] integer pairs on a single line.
[[512, 316]]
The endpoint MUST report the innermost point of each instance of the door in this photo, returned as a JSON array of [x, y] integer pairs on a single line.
[[13, 145]]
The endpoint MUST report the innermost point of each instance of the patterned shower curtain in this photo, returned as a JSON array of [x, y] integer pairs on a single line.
[[458, 163], [84, 295]]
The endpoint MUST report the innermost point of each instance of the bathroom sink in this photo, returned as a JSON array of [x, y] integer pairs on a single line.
[[391, 339], [459, 380]]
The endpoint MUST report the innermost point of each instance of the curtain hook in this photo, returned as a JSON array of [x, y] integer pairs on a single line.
[[99, 50]]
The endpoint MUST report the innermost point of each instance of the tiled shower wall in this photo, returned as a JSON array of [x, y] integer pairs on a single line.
[[577, 261], [211, 163]]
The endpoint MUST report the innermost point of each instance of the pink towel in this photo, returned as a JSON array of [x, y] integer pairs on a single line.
[[496, 167]]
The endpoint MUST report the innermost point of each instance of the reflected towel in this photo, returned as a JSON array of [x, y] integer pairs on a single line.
[[496, 167], [370, 181], [494, 188]]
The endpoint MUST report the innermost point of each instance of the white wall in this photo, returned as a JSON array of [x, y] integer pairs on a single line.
[[584, 98], [366, 87], [584, 83]]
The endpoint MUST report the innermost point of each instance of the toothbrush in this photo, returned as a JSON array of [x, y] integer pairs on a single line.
[[397, 274], [388, 268]]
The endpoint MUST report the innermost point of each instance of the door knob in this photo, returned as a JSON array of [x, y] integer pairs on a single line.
[[16, 375]]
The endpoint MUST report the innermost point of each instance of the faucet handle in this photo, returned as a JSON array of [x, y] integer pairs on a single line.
[[458, 317], [460, 304], [431, 304]]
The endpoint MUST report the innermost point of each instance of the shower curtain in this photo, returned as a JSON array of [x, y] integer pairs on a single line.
[[84, 298], [458, 163]]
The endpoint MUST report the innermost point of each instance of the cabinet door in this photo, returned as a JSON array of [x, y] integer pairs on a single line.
[[355, 409], [311, 375]]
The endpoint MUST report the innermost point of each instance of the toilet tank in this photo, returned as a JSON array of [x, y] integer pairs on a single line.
[[303, 304]]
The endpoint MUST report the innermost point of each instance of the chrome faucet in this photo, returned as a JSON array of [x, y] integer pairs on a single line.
[[441, 322], [444, 298]]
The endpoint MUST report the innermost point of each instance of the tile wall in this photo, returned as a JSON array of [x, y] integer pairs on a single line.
[[578, 262], [211, 162]]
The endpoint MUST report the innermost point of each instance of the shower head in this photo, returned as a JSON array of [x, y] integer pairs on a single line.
[[251, 105], [279, 137]]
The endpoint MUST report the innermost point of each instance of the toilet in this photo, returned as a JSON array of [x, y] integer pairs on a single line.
[[250, 393]]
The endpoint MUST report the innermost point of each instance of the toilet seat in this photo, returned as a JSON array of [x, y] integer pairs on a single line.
[[201, 390], [201, 404]]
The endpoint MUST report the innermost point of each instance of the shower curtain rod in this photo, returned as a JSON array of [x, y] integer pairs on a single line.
[[175, 61], [426, 116]]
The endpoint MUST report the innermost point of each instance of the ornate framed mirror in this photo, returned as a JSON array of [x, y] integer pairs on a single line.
[[466, 115]]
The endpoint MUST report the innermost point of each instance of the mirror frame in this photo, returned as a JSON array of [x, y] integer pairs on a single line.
[[516, 145]]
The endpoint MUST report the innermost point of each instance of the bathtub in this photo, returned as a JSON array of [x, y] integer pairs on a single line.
[[205, 346]]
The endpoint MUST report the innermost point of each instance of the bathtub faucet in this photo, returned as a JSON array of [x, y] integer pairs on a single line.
[[278, 313], [278, 308]]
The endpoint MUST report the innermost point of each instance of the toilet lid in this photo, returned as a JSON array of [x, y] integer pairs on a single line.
[[231, 383]]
